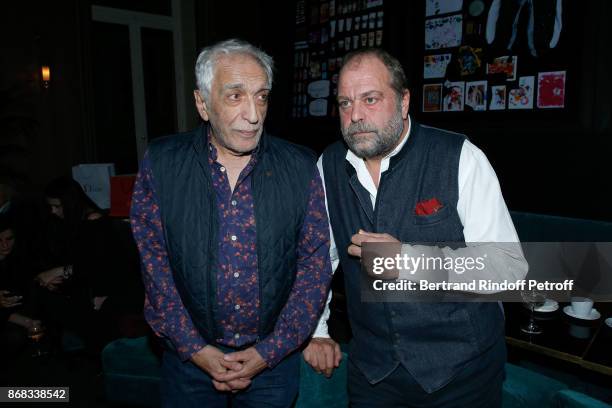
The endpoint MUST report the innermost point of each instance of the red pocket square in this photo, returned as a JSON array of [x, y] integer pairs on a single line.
[[428, 207]]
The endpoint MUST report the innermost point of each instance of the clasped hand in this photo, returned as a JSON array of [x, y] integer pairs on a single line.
[[7, 300], [52, 278], [230, 372]]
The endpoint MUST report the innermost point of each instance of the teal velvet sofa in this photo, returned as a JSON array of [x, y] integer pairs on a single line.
[[525, 388], [131, 372], [575, 399], [318, 391], [550, 228], [132, 377]]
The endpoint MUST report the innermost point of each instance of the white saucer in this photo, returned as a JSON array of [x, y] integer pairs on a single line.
[[548, 306], [570, 312], [609, 321]]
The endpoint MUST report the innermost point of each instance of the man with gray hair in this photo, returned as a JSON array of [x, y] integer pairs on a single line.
[[233, 235]]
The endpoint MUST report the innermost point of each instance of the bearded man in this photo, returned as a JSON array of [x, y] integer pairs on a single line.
[[394, 180]]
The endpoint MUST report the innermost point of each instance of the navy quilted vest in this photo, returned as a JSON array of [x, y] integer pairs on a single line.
[[280, 183], [431, 340]]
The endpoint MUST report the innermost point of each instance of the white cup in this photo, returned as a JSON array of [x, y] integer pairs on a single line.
[[582, 306]]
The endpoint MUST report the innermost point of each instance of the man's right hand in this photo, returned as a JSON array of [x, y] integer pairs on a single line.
[[323, 355], [210, 359], [52, 278], [7, 300]]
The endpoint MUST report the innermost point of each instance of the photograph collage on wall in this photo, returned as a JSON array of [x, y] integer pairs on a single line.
[[326, 30], [480, 55]]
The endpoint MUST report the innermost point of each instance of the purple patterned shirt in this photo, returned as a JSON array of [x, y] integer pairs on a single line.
[[237, 274]]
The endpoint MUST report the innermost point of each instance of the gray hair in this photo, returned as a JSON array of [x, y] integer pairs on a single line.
[[209, 56], [396, 71]]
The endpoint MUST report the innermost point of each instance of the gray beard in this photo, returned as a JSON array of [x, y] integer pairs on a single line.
[[380, 145]]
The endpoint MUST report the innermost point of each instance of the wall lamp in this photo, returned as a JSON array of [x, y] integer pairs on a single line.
[[46, 75]]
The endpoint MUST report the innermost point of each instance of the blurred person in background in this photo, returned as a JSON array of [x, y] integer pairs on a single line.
[[15, 291], [86, 286]]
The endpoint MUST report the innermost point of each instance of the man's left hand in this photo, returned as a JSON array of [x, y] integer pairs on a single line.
[[252, 364]]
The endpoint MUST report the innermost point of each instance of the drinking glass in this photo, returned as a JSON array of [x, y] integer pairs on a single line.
[[533, 299], [36, 333]]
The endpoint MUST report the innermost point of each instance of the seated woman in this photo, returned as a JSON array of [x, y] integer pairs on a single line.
[[15, 278], [84, 280], [70, 208]]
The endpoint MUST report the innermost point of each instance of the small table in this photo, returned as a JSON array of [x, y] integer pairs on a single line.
[[587, 343]]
